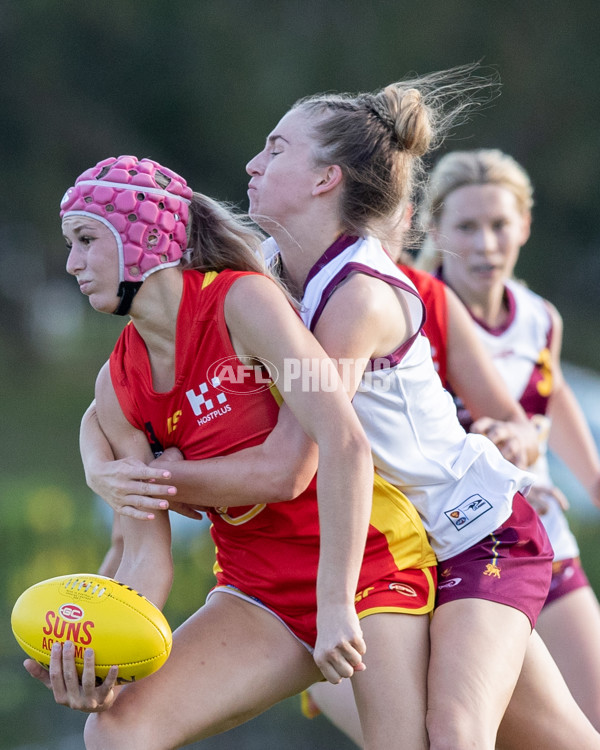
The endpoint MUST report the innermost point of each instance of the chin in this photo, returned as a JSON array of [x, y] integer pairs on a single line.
[[104, 306]]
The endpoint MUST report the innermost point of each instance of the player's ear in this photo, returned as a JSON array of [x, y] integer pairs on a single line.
[[329, 178], [526, 227]]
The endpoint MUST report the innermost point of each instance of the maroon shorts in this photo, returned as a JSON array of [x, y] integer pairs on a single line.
[[567, 575], [511, 566]]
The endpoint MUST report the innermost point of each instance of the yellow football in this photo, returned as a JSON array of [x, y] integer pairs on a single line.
[[92, 611]]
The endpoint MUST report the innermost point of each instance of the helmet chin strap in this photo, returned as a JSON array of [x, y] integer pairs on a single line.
[[127, 291]]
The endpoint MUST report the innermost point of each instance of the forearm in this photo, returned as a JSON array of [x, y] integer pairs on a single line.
[[114, 555], [278, 469], [146, 564], [344, 513], [93, 445], [571, 439], [253, 475]]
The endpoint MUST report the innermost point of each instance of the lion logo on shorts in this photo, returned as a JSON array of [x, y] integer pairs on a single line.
[[491, 569]]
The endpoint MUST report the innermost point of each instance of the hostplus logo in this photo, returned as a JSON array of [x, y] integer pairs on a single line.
[[209, 402]]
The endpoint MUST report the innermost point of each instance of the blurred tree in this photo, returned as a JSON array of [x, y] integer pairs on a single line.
[[198, 85]]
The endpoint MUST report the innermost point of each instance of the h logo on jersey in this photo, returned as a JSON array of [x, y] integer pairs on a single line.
[[200, 401]]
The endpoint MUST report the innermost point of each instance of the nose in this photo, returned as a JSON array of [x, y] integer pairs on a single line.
[[254, 165], [74, 261], [485, 240]]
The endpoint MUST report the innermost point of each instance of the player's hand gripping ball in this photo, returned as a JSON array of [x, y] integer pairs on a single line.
[[93, 611]]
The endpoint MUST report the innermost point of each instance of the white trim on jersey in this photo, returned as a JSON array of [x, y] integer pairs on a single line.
[[459, 483]]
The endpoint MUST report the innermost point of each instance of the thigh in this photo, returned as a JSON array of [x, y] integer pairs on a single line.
[[570, 628], [542, 713], [391, 694], [337, 703], [477, 650], [230, 661]]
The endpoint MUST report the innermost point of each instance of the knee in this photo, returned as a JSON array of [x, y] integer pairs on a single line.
[[90, 733], [457, 728], [93, 733], [102, 733]]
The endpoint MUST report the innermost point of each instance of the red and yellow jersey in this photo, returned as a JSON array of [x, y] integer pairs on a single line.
[[221, 404]]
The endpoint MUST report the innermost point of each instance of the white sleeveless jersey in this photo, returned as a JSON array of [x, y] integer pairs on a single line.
[[520, 351], [459, 483]]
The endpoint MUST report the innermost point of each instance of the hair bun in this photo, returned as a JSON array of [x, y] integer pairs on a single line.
[[413, 123]]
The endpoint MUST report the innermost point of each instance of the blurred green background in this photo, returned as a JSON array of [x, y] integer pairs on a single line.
[[197, 85]]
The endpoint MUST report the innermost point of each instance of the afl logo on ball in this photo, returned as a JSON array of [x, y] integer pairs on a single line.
[[71, 612]]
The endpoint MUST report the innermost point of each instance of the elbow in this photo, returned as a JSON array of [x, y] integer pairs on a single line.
[[363, 447], [287, 483], [287, 477], [356, 446]]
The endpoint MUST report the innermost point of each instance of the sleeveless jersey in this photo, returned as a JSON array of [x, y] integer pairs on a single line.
[[520, 349], [433, 293], [218, 405], [460, 484]]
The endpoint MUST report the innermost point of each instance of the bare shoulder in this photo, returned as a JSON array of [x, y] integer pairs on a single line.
[[255, 298], [107, 403], [555, 316], [252, 286], [364, 295], [103, 380], [363, 318]]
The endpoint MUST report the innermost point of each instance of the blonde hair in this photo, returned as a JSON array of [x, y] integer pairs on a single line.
[[379, 139], [459, 169]]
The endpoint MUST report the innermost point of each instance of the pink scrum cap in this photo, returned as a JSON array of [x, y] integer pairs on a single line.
[[148, 219]]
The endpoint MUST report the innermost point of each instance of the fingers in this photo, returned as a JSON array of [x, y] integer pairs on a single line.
[[109, 683], [139, 502], [130, 482], [513, 451], [517, 441], [140, 508], [148, 494], [538, 503], [81, 694], [340, 663], [127, 470], [507, 437], [343, 658], [481, 425], [57, 682], [540, 497], [95, 696], [38, 672]]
